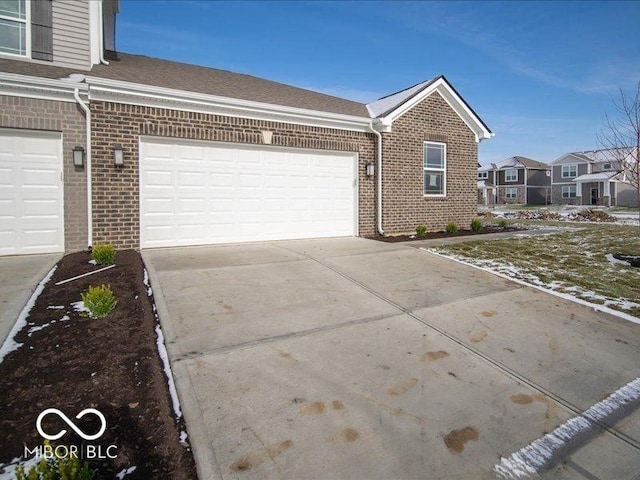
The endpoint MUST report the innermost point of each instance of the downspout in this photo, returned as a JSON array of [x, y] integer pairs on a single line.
[[87, 112], [101, 34], [379, 162]]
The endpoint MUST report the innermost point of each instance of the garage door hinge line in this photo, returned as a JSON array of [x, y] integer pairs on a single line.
[[500, 366]]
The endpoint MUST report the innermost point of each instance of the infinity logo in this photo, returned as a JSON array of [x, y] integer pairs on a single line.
[[71, 424]]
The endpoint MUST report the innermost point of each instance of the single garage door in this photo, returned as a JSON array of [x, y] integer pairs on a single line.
[[201, 193], [31, 192]]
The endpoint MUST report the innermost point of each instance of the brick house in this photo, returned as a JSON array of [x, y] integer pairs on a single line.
[[516, 180], [594, 177], [98, 146]]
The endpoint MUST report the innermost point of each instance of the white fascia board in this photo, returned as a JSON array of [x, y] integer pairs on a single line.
[[146, 95], [452, 99], [40, 88]]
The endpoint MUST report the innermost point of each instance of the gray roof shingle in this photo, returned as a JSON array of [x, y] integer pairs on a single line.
[[192, 78]]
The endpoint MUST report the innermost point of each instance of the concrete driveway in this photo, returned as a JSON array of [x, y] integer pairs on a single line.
[[351, 358], [19, 277]]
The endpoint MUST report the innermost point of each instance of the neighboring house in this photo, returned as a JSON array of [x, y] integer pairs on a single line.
[[594, 177], [515, 180], [184, 155]]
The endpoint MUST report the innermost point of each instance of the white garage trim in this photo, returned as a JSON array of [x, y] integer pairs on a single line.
[[201, 192], [31, 192]]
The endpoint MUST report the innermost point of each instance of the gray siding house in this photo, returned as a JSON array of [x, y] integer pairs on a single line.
[[516, 180], [103, 146], [594, 177]]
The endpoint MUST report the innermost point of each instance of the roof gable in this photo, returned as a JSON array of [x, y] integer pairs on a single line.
[[390, 108]]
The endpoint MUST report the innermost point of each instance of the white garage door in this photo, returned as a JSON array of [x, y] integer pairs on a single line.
[[31, 205], [200, 193]]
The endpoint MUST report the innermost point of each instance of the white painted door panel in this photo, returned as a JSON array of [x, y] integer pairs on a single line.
[[31, 192], [204, 193]]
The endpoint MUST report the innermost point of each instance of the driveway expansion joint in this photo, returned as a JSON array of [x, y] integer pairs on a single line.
[[486, 358]]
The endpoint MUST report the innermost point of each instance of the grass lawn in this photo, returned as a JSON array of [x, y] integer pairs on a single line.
[[573, 262]]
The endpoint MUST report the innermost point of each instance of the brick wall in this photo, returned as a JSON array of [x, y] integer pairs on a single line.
[[116, 190], [65, 117], [404, 205]]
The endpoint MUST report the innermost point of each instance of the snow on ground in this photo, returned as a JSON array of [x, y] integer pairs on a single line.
[[540, 455], [559, 289], [37, 328], [80, 307], [10, 344], [124, 472], [162, 351], [7, 472]]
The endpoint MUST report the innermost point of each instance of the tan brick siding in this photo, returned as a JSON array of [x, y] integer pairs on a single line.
[[404, 205], [65, 117], [520, 195], [116, 201]]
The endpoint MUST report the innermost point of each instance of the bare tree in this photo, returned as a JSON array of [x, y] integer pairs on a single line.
[[621, 135]]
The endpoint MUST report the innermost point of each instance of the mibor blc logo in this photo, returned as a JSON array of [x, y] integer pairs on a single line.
[[87, 451], [61, 433]]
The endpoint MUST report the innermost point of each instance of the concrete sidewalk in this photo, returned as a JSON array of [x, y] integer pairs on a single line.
[[19, 276], [351, 358]]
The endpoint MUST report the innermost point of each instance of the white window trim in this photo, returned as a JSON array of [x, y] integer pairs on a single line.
[[562, 170], [27, 32], [483, 175], [566, 191], [443, 170], [510, 170], [511, 193]]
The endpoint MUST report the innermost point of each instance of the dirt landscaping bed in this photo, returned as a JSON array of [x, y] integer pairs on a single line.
[[72, 362], [435, 235]]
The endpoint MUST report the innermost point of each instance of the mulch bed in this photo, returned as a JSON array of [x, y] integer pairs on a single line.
[[110, 364], [436, 235]]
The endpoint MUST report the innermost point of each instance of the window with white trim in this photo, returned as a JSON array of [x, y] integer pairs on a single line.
[[511, 193], [435, 169], [511, 175], [569, 191], [606, 166], [569, 171], [14, 27], [483, 175]]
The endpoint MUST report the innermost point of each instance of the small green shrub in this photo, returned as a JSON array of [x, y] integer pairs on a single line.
[[421, 230], [451, 228], [503, 224], [103, 254], [476, 225], [55, 468], [99, 300]]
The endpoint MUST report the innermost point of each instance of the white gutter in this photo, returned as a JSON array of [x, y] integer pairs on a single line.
[[379, 161], [88, 167], [101, 34]]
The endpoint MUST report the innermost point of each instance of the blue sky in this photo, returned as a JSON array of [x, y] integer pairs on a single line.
[[542, 75]]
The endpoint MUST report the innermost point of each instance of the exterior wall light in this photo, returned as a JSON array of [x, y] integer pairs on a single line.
[[78, 156], [371, 169], [118, 156]]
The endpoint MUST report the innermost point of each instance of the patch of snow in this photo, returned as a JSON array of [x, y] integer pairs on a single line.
[[42, 327], [613, 260], [539, 455], [124, 472], [509, 271], [183, 437], [162, 351], [94, 374], [10, 344], [55, 307], [7, 471], [92, 262], [80, 307], [145, 277]]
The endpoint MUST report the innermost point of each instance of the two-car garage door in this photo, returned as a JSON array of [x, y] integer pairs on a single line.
[[196, 193]]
